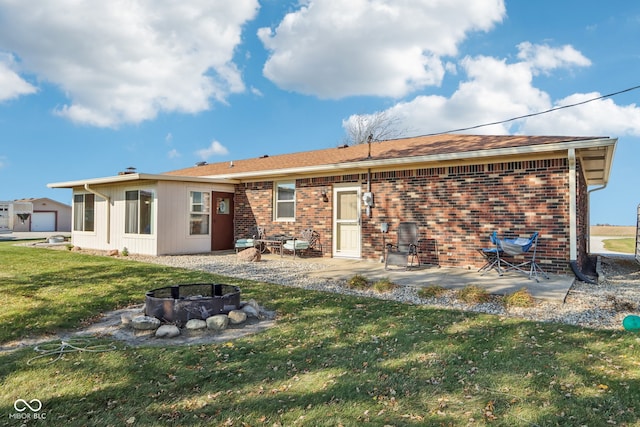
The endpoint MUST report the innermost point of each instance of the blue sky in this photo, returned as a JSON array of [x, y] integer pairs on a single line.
[[88, 89]]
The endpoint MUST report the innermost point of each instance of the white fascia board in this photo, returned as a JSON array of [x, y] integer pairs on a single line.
[[140, 177], [365, 164]]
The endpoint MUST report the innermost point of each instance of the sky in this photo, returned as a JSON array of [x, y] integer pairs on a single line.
[[88, 89]]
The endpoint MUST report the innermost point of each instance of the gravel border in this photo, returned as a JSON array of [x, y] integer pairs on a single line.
[[600, 306]]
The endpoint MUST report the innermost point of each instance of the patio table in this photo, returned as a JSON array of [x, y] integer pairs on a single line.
[[274, 242]]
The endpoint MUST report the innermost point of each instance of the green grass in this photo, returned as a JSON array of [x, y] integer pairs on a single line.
[[626, 245], [330, 360]]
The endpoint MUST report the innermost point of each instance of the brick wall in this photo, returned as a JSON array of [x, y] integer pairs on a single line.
[[456, 209]]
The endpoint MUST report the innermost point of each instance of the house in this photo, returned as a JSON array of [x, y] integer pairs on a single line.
[[35, 214], [457, 188]]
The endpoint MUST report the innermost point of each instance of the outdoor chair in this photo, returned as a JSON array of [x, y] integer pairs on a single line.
[[310, 239], [405, 252], [251, 242], [505, 248], [492, 256]]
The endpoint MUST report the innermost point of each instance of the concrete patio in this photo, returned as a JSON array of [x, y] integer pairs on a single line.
[[553, 289]]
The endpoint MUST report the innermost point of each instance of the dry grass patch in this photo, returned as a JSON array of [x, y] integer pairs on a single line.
[[473, 294], [520, 298]]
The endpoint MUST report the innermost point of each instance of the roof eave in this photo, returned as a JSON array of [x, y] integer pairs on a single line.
[[130, 177], [374, 163]]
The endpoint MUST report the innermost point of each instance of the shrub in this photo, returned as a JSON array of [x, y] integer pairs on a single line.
[[125, 251], [358, 282], [472, 294], [521, 298], [384, 285], [432, 291]]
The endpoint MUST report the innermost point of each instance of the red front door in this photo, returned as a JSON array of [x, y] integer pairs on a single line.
[[222, 221]]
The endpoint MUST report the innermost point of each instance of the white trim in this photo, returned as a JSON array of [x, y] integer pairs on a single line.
[[400, 161], [139, 177], [573, 203], [275, 200]]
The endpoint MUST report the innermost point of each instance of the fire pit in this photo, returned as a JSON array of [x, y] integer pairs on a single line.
[[181, 303]]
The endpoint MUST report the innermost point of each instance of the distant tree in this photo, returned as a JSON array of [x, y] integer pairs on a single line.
[[379, 126]]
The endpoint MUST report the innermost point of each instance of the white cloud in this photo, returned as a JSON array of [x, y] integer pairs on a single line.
[[496, 90], [3, 162], [215, 149], [124, 61], [598, 118], [173, 154], [11, 84], [337, 48], [545, 58]]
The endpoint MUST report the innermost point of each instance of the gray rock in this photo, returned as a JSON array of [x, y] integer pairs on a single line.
[[237, 316], [167, 331], [145, 323], [218, 322], [250, 311], [195, 324]]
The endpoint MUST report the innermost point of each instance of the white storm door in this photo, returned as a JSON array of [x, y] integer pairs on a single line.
[[346, 222]]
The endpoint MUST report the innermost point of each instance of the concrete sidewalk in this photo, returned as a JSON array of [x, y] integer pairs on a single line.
[[32, 235]]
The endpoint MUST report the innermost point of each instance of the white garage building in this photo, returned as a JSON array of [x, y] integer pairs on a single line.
[[34, 214]]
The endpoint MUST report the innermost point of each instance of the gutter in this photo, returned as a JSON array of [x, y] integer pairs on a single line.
[[108, 199], [431, 158], [573, 243]]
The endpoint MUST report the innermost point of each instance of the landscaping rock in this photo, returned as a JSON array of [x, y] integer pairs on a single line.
[[195, 324], [250, 311], [218, 322], [167, 331], [237, 317], [145, 323], [126, 318], [250, 255]]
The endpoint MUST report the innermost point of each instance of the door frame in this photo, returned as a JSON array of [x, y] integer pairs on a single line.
[[338, 188], [222, 240]]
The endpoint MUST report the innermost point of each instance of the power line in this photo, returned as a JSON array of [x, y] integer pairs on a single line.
[[551, 110]]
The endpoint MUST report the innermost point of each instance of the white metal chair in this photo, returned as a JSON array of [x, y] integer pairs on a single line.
[[310, 240], [251, 242]]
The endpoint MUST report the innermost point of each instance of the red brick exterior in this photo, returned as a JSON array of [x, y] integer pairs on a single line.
[[456, 209]]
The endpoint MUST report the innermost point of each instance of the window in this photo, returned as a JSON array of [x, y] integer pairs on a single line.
[[285, 202], [138, 210], [199, 203], [83, 212]]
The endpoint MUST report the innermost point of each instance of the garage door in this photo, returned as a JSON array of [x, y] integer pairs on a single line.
[[43, 221]]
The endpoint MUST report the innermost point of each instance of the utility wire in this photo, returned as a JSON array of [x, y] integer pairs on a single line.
[[534, 114]]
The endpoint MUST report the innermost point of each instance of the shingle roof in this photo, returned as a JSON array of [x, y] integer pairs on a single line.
[[405, 148]]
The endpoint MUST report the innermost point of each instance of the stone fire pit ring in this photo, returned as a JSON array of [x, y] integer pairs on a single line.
[[180, 303]]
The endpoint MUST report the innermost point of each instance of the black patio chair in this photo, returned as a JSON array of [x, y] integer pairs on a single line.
[[405, 252]]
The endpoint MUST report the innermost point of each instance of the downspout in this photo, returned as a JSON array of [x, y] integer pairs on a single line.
[[573, 233], [108, 199]]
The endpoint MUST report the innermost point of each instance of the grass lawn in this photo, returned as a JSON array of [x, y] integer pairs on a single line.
[[625, 245], [330, 360]]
